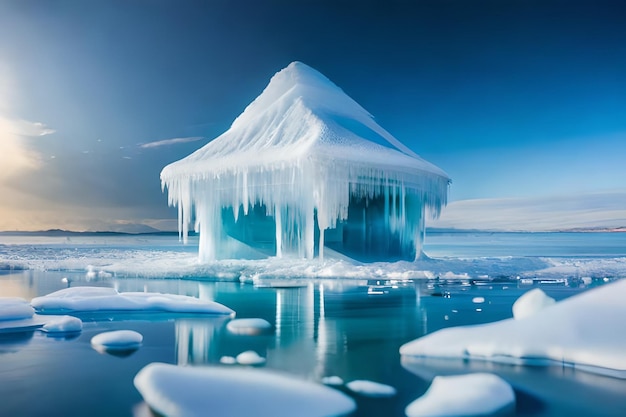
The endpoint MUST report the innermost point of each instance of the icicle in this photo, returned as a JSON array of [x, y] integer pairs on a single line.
[[279, 232]]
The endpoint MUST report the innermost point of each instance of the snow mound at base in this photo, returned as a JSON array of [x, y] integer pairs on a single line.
[[531, 302], [108, 299], [578, 332], [232, 392], [465, 395]]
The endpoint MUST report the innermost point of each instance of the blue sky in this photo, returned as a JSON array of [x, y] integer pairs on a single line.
[[514, 99]]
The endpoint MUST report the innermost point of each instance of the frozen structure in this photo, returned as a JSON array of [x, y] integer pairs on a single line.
[[304, 167]]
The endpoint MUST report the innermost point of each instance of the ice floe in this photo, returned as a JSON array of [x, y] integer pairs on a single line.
[[332, 380], [531, 302], [117, 341], [249, 327], [228, 360], [13, 308], [578, 332], [371, 388], [81, 299], [233, 392], [250, 357], [477, 394], [63, 324]]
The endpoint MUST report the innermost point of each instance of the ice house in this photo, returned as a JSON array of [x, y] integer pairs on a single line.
[[304, 168]]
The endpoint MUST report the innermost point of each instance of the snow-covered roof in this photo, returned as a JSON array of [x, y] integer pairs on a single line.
[[302, 114]]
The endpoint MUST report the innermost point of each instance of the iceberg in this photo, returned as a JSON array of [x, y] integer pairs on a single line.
[[477, 394], [83, 299], [175, 391], [531, 302], [578, 332], [305, 167], [250, 357]]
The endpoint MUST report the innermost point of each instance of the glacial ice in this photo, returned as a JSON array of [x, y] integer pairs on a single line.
[[371, 388], [117, 340], [176, 391], [478, 394], [82, 299], [332, 380], [578, 332], [250, 327], [531, 302], [304, 166]]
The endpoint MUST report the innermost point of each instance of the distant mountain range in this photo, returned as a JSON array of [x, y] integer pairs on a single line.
[[61, 232]]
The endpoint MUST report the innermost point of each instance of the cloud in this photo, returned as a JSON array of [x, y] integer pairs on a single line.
[[15, 155], [169, 142], [575, 211]]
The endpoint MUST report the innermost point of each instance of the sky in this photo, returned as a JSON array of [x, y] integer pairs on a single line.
[[520, 102]]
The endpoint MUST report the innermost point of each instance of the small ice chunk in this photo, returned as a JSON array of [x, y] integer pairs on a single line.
[[332, 380], [14, 308], [250, 357], [117, 340], [478, 300], [464, 395], [63, 324], [106, 299], [249, 327], [371, 388], [531, 302], [176, 391], [228, 360]]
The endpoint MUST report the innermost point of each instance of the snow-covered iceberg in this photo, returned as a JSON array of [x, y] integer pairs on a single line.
[[579, 332], [302, 167], [83, 299], [117, 341], [175, 391], [477, 394]]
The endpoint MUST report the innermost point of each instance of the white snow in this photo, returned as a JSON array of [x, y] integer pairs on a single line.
[[250, 357], [106, 299], [371, 388], [228, 360], [63, 324], [332, 380], [250, 327], [117, 340], [477, 394], [233, 392], [580, 332], [14, 308], [478, 300], [531, 302], [302, 147]]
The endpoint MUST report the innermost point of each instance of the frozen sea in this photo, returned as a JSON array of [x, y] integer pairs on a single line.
[[331, 318]]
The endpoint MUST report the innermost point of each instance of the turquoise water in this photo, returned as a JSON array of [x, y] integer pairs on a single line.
[[349, 328], [352, 329]]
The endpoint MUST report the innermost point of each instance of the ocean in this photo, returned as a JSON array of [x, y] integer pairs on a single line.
[[330, 318]]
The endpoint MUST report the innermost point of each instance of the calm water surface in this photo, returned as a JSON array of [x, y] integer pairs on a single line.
[[352, 329]]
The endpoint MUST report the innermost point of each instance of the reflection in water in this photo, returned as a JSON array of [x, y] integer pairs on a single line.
[[12, 342], [317, 327]]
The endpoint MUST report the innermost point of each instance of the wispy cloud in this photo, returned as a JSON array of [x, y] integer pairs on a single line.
[[169, 142], [15, 155], [591, 210]]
